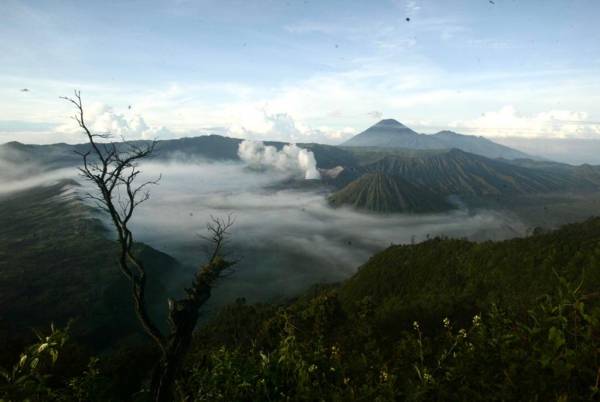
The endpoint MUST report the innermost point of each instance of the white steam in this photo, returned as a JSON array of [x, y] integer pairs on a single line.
[[291, 159]]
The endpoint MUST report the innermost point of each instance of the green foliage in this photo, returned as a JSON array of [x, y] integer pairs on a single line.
[[457, 278], [311, 351], [34, 376], [29, 376], [550, 353], [442, 320], [301, 366]]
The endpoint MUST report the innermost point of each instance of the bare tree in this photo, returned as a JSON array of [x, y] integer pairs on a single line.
[[113, 168]]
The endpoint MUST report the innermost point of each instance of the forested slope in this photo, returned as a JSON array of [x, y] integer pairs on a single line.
[[57, 263]]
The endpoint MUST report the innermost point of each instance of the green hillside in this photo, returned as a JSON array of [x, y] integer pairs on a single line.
[[379, 192], [448, 276], [57, 263], [443, 320]]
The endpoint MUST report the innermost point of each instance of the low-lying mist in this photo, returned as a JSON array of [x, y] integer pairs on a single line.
[[17, 173], [285, 240]]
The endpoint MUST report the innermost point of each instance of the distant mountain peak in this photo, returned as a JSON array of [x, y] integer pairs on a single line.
[[385, 134], [389, 123], [390, 133]]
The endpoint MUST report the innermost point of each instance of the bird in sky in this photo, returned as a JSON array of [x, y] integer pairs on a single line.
[[25, 90]]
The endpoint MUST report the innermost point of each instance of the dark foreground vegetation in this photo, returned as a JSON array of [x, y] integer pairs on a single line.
[[441, 320]]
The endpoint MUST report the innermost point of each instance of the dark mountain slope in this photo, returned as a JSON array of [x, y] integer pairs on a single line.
[[379, 192], [458, 172], [57, 263]]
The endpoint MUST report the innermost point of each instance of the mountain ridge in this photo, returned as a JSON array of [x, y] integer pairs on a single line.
[[390, 133]]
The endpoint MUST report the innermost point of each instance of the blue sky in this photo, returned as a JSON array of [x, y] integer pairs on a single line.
[[300, 70]]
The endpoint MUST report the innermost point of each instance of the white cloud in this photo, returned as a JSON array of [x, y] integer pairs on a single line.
[[376, 114], [101, 118], [259, 124], [508, 122], [327, 107], [412, 7]]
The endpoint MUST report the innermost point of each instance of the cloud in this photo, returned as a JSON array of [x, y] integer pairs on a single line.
[[291, 159], [101, 118], [508, 122], [259, 124], [376, 114], [412, 7], [568, 150], [325, 107]]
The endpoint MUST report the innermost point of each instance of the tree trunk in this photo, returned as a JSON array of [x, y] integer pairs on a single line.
[[183, 316]]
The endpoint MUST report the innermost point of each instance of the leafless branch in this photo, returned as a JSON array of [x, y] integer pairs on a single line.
[[114, 170]]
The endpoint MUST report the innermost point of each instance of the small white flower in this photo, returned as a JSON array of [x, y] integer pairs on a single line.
[[427, 377]]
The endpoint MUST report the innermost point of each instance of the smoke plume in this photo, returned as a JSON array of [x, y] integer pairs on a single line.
[[291, 159]]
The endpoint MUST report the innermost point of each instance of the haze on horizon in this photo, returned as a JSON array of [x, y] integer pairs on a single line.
[[301, 71]]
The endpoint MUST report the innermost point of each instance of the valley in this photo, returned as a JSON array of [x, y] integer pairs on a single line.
[[368, 205]]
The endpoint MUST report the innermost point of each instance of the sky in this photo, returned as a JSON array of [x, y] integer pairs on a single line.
[[300, 71]]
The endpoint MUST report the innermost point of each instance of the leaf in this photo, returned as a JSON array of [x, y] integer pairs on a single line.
[[54, 354], [22, 360], [42, 347], [22, 379], [556, 337], [34, 363], [5, 374]]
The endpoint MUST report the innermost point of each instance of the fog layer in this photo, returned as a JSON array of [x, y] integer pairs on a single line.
[[285, 240]]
